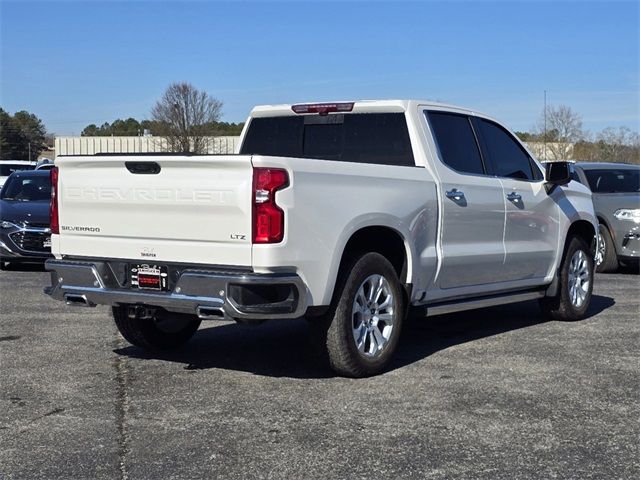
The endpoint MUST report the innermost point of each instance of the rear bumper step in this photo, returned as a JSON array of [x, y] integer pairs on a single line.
[[210, 295]]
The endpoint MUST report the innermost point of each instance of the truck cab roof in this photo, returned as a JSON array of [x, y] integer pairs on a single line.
[[360, 106]]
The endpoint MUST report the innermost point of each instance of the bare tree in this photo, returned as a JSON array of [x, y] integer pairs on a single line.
[[186, 116], [563, 130], [619, 145]]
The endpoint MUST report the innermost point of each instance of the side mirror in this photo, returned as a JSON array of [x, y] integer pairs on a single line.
[[557, 173]]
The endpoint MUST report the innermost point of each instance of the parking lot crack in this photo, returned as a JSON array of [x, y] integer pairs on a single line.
[[122, 405]]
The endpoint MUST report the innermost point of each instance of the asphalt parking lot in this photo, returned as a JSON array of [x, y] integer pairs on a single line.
[[495, 393]]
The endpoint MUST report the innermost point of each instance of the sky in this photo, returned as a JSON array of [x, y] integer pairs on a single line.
[[74, 63]]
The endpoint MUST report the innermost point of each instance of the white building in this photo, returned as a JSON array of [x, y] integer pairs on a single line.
[[551, 150], [146, 144]]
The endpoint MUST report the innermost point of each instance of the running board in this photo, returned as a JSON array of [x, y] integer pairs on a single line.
[[482, 302]]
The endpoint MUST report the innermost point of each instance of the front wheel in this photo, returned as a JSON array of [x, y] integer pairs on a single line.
[[575, 278], [159, 330], [606, 258], [360, 333]]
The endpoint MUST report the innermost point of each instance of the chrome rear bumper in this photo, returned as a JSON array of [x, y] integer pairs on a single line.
[[206, 293]]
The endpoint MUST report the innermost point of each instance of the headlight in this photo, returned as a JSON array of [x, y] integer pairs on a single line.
[[5, 224], [631, 214]]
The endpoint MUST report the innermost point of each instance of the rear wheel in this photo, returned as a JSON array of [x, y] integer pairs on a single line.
[[575, 278], [606, 258], [360, 333], [156, 330]]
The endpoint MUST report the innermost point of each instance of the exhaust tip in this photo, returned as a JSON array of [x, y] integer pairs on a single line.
[[76, 300], [210, 313]]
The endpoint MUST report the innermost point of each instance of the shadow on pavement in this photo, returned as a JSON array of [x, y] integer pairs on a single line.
[[630, 269], [283, 349]]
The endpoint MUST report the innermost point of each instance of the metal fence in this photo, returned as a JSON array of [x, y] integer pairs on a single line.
[[93, 145]]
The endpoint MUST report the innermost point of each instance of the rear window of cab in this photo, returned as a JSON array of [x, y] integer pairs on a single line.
[[377, 138]]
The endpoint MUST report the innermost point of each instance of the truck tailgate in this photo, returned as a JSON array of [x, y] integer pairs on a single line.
[[196, 209]]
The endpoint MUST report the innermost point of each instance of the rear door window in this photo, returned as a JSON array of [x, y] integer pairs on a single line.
[[456, 142], [278, 137], [379, 138]]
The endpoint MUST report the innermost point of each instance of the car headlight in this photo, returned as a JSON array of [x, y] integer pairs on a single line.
[[5, 224], [631, 214]]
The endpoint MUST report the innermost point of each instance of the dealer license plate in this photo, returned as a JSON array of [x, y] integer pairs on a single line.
[[149, 277]]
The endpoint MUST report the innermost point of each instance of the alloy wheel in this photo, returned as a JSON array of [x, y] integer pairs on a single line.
[[373, 316], [579, 278]]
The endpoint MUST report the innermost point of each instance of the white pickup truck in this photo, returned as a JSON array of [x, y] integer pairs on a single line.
[[346, 213]]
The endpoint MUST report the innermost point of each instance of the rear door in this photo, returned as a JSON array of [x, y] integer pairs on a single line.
[[472, 221], [191, 209], [532, 217]]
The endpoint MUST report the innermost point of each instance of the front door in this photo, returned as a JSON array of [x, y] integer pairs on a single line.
[[472, 217], [532, 217]]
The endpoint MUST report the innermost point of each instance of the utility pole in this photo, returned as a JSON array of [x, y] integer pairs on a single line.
[[29, 151], [545, 124]]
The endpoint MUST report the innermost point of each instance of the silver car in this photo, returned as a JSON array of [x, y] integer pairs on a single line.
[[616, 199]]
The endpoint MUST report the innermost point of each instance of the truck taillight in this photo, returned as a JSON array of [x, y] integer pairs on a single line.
[[54, 223], [268, 218]]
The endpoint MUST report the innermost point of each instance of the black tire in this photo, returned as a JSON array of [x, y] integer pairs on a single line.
[[561, 306], [333, 333], [164, 331], [4, 265], [609, 261]]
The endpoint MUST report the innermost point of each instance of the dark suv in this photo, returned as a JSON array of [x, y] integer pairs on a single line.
[[24, 217], [616, 199]]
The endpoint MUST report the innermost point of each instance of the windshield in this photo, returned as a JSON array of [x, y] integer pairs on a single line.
[[614, 180], [7, 168], [27, 188]]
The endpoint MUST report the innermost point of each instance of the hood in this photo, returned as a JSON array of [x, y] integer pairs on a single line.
[[607, 203], [29, 212], [616, 200]]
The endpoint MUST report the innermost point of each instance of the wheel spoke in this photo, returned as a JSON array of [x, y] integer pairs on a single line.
[[385, 303], [380, 340], [387, 318], [361, 339], [379, 290], [371, 283], [373, 346], [361, 299]]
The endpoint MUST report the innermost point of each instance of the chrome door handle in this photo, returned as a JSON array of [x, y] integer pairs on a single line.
[[455, 194], [514, 197]]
